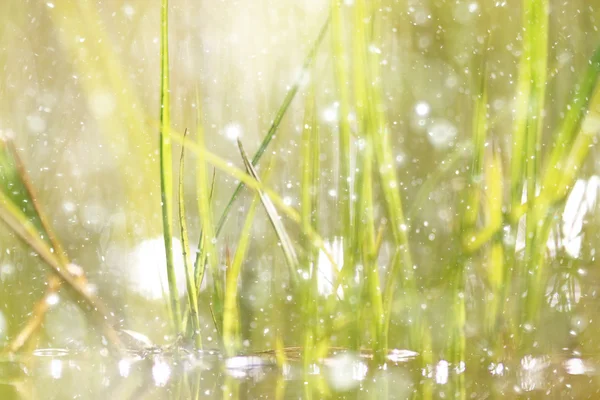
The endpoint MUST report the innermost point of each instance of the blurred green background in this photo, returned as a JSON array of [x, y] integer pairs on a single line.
[[79, 93]]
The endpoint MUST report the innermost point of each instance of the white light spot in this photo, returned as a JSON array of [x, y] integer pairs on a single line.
[[441, 133], [53, 299], [56, 369], [161, 372], [531, 375], [581, 200], [124, 368], [50, 5], [146, 268], [419, 14], [374, 49], [398, 355], [233, 131], [75, 270], [325, 268], [6, 270], [3, 326], [330, 114], [400, 158], [441, 372], [591, 124], [102, 103], [345, 371], [35, 123], [422, 109], [242, 367], [576, 366], [68, 207], [128, 10], [496, 369]]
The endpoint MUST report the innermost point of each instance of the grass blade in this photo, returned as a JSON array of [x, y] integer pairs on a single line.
[[16, 184], [185, 244], [344, 173], [536, 52], [277, 121], [286, 243], [20, 210], [496, 274], [252, 183], [231, 315], [25, 230], [462, 152], [310, 220], [166, 167], [207, 249]]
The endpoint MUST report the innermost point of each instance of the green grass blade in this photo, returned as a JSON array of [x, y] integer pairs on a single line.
[[189, 269], [344, 174], [480, 122], [462, 152], [252, 183], [471, 239], [15, 183], [20, 210], [200, 261], [310, 164], [14, 187], [401, 271], [519, 136], [370, 250], [575, 110], [231, 315], [310, 220], [287, 245], [495, 258], [166, 167], [536, 51], [27, 232], [277, 121], [575, 113], [208, 248]]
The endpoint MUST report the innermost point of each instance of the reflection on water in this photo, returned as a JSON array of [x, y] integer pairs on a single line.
[[59, 374]]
